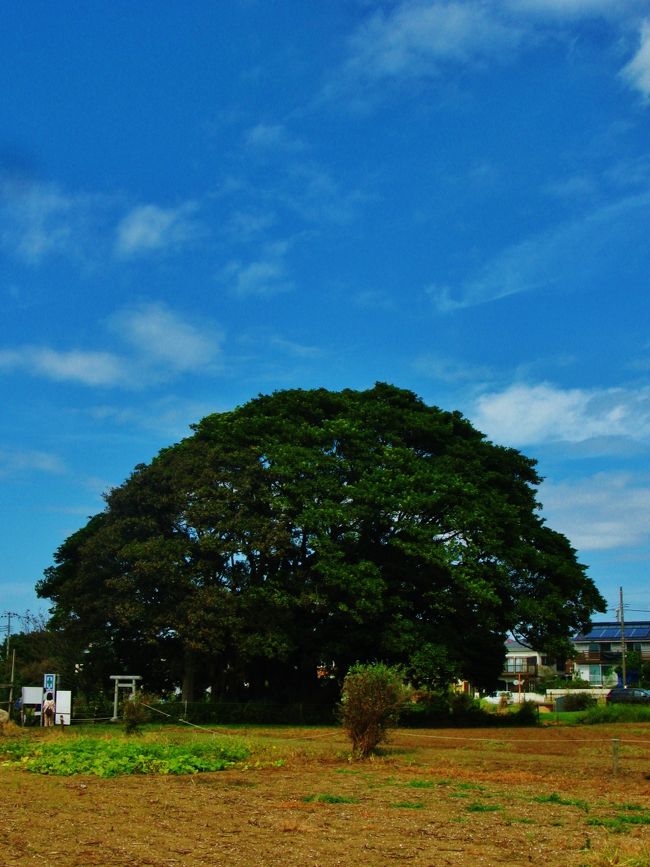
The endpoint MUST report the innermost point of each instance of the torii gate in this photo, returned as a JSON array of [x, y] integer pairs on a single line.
[[123, 681]]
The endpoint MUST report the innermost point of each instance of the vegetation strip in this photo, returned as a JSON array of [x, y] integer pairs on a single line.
[[113, 757]]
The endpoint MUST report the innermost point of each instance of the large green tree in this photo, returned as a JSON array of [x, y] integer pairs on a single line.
[[310, 527]]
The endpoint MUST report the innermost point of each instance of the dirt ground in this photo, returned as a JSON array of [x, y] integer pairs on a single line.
[[436, 797]]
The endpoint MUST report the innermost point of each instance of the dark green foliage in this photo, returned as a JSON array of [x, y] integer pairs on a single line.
[[317, 527], [577, 701], [559, 682], [244, 712], [462, 711], [371, 701], [616, 713], [527, 714]]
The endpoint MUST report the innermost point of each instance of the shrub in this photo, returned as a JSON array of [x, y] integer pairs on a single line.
[[578, 701], [527, 714], [135, 712], [616, 713], [371, 701]]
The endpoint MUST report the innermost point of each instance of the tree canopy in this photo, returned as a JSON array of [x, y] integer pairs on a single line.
[[315, 528]]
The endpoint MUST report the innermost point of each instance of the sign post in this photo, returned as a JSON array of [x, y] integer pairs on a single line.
[[48, 705]]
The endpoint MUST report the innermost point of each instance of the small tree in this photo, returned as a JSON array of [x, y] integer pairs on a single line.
[[136, 713], [371, 700]]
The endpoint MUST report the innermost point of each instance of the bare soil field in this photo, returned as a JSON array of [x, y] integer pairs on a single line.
[[434, 797]]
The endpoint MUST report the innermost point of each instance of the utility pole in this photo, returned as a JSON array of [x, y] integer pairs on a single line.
[[11, 683], [8, 615], [621, 618]]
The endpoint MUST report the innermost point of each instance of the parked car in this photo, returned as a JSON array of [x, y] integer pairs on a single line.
[[631, 695]]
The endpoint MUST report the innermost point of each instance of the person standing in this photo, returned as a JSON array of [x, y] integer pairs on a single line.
[[48, 710]]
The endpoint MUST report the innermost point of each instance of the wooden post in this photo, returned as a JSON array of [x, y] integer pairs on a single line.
[[11, 685], [616, 744]]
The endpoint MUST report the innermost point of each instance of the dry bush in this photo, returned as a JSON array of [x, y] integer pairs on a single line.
[[371, 701]]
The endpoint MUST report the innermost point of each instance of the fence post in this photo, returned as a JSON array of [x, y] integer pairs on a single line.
[[616, 743]]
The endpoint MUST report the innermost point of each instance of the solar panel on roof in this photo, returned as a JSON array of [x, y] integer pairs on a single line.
[[637, 632], [606, 633], [634, 631]]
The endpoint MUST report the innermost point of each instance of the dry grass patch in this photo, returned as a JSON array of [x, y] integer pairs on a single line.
[[431, 798]]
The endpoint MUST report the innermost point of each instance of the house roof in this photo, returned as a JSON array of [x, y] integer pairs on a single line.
[[511, 645], [635, 630]]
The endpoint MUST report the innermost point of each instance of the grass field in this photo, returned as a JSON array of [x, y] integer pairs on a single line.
[[544, 795]]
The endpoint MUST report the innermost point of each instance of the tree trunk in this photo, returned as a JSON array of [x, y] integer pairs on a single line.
[[187, 687]]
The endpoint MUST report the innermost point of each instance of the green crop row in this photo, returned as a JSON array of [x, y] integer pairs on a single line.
[[113, 757]]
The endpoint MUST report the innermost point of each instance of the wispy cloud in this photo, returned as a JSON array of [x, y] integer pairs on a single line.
[[607, 510], [151, 228], [17, 462], [169, 416], [265, 137], [374, 299], [527, 414], [637, 71], [84, 367], [416, 39], [165, 339], [575, 250], [450, 370], [265, 276], [292, 347], [40, 220], [424, 39], [574, 9], [160, 344]]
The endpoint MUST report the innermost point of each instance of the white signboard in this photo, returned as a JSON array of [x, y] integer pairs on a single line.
[[32, 695], [63, 707]]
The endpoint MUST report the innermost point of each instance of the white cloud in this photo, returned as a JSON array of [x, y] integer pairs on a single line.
[[415, 38], [298, 350], [20, 461], [161, 345], [169, 416], [42, 220], [150, 228], [249, 224], [272, 137], [259, 278], [450, 370], [265, 276], [37, 220], [525, 414], [84, 367], [574, 9], [575, 250], [162, 338], [637, 71], [608, 510], [419, 39], [374, 299]]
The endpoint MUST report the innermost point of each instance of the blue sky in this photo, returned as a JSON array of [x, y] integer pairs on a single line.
[[201, 202]]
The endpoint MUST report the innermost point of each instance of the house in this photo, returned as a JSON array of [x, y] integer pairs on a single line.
[[524, 666], [599, 650]]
